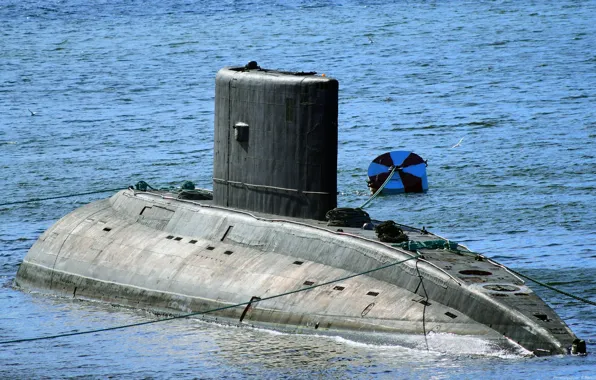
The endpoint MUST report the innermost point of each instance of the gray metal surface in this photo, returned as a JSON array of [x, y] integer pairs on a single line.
[[275, 142], [186, 256]]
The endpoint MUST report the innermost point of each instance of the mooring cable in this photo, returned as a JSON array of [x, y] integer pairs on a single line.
[[208, 311], [380, 188], [60, 197], [578, 298], [585, 300], [425, 303], [32, 200]]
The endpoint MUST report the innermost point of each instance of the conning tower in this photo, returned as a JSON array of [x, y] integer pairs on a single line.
[[275, 141]]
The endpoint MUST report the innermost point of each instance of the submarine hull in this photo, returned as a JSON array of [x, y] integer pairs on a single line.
[[153, 251]]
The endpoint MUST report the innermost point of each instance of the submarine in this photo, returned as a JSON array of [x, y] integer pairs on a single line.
[[269, 246]]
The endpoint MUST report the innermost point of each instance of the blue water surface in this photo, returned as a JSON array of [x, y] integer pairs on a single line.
[[99, 95]]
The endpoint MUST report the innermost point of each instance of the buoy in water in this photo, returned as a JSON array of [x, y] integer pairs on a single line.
[[409, 175]]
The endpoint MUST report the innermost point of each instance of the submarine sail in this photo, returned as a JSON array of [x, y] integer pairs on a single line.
[[275, 142]]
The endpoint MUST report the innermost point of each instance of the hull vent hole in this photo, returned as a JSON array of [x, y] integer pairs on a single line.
[[542, 317], [475, 272], [367, 309]]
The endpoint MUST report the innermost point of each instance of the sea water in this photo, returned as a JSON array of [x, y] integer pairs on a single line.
[[100, 95]]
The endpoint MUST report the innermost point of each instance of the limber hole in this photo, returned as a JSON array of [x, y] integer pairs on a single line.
[[298, 262], [107, 229], [374, 294], [210, 248], [169, 237], [178, 238], [450, 315], [192, 242], [228, 252], [340, 288], [425, 303], [542, 317], [475, 272], [308, 283]]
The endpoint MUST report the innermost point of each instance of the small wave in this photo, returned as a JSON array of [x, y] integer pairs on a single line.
[[483, 123], [498, 43], [84, 121], [182, 43], [47, 9], [513, 232], [574, 97]]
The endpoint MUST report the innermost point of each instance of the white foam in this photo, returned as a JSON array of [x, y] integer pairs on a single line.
[[435, 344]]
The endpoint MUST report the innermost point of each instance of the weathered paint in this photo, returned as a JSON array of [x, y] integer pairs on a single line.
[[192, 256], [275, 142]]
